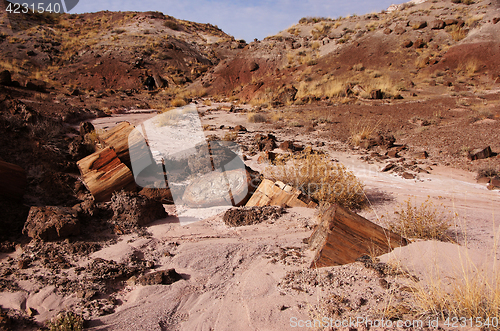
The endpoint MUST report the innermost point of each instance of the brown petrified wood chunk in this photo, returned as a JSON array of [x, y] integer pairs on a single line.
[[103, 173], [342, 236]]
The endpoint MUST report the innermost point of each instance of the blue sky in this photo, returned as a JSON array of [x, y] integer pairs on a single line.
[[242, 19]]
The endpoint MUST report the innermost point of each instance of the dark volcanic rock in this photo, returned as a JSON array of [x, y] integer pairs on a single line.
[[162, 277], [51, 223], [5, 78], [480, 153], [251, 215], [131, 210], [265, 143]]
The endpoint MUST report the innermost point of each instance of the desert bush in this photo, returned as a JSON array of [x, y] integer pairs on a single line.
[[172, 25], [487, 172], [361, 131], [230, 136], [456, 32], [320, 178], [178, 102], [423, 222], [256, 118], [66, 321], [358, 67]]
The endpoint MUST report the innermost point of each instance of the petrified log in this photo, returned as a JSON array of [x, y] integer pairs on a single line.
[[103, 173], [117, 138], [342, 236], [12, 180], [480, 153], [279, 194]]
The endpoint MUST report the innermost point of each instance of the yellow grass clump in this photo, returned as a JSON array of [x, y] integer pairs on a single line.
[[423, 222], [320, 178]]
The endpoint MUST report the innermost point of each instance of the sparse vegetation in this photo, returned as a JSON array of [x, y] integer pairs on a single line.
[[425, 221], [317, 176], [66, 321], [257, 118], [457, 32], [361, 131]]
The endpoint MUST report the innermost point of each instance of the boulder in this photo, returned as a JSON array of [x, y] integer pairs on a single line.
[[399, 29], [407, 43], [36, 85], [419, 43], [494, 184], [253, 66], [495, 20], [387, 31], [240, 128], [418, 25], [437, 25], [480, 153], [162, 277], [86, 127], [289, 146], [420, 155], [279, 194], [12, 181], [285, 97], [51, 223], [376, 94], [265, 143], [5, 78], [132, 210], [342, 236]]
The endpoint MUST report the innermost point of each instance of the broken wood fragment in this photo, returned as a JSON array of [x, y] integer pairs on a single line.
[[342, 236]]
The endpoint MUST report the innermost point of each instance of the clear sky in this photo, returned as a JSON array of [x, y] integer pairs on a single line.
[[242, 19]]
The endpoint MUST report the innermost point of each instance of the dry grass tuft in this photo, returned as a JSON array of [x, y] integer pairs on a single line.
[[66, 322], [422, 222], [257, 118], [320, 178], [456, 32], [361, 131]]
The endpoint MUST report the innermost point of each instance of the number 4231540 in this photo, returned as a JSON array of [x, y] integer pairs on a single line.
[[24, 8]]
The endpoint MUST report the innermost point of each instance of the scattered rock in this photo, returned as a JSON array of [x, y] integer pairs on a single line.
[[36, 85], [484, 180], [388, 167], [131, 210], [399, 29], [407, 43], [407, 175], [419, 43], [392, 153], [253, 66], [265, 143], [420, 155], [51, 223], [376, 94], [480, 153], [5, 78], [437, 25], [266, 157], [86, 127], [251, 215], [289, 146], [285, 97], [157, 194], [419, 25], [162, 277], [240, 128]]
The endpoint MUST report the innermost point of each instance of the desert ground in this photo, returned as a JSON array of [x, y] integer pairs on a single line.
[[411, 110]]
